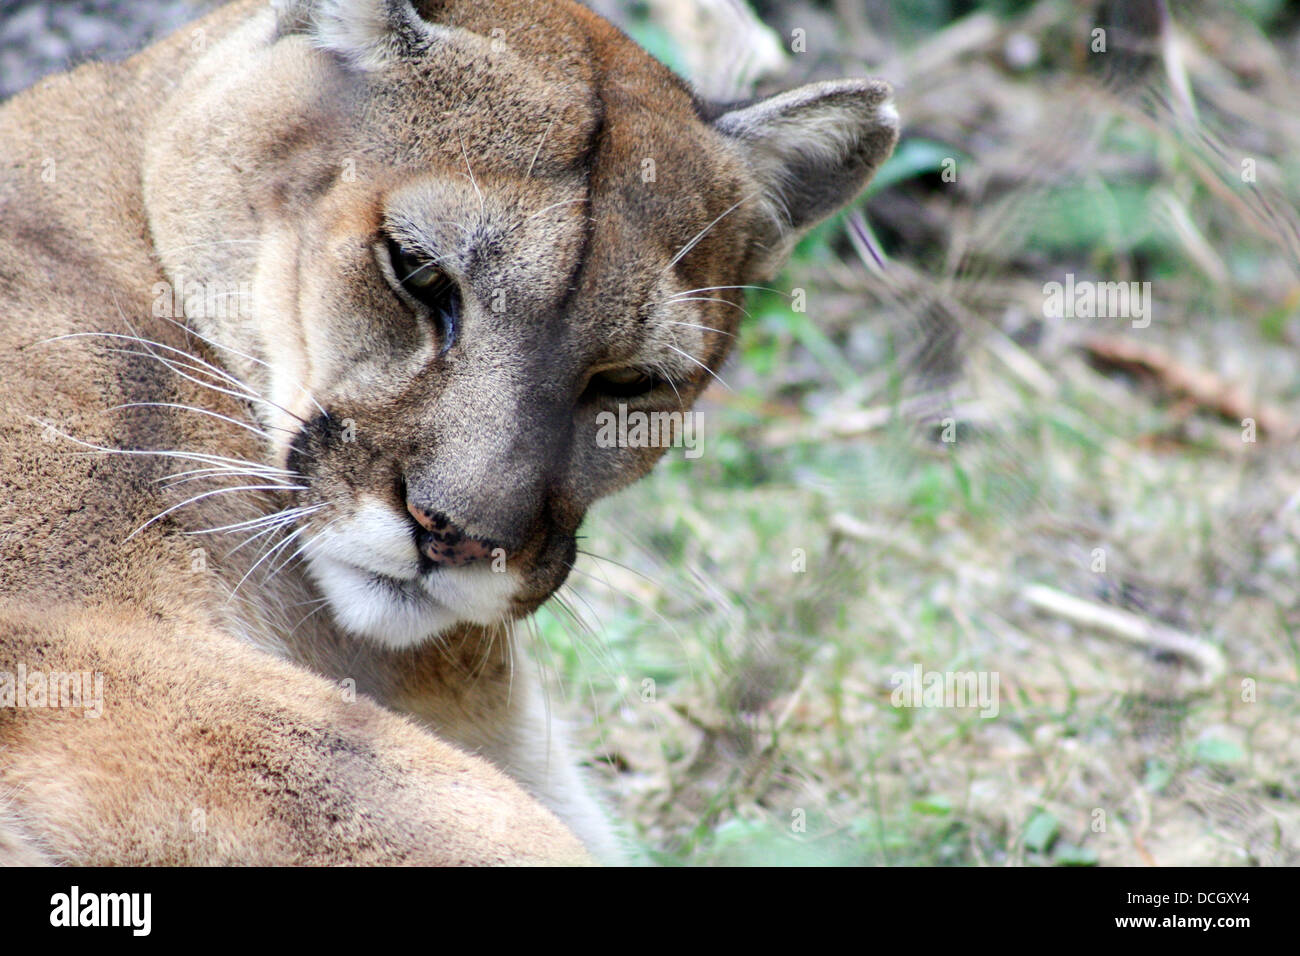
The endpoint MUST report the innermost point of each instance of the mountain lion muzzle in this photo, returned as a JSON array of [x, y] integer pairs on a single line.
[[312, 311]]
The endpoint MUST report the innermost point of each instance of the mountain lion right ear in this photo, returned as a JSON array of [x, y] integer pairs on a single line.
[[812, 150], [370, 34]]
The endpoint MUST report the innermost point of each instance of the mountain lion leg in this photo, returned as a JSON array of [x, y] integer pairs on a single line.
[[538, 755], [250, 760], [499, 711]]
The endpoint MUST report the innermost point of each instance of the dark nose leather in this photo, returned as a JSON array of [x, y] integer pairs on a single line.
[[442, 542]]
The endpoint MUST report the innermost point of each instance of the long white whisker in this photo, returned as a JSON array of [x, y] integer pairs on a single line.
[[705, 328], [201, 366], [203, 411], [319, 602], [482, 205], [278, 517], [209, 494], [563, 202], [271, 474], [150, 343], [215, 344], [175, 367], [317, 539], [588, 636], [200, 474], [289, 560], [538, 151], [659, 370], [284, 514], [700, 364], [706, 298], [244, 355], [168, 453], [672, 628], [278, 547], [253, 537], [703, 232], [719, 288]]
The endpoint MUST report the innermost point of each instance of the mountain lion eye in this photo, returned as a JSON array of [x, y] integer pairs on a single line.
[[623, 383], [430, 287]]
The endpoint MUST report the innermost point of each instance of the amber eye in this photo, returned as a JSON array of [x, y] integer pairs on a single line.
[[430, 287], [623, 383]]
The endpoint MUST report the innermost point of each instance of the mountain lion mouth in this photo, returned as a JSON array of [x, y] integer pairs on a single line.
[[379, 585], [403, 612]]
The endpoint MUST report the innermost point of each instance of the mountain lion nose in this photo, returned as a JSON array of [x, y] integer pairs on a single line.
[[442, 542]]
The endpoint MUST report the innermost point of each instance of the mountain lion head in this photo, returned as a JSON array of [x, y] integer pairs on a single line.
[[466, 229]]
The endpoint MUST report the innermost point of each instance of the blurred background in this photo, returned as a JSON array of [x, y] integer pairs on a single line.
[[919, 462]]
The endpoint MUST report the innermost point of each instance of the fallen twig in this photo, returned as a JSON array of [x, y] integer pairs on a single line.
[[1204, 656], [1204, 388]]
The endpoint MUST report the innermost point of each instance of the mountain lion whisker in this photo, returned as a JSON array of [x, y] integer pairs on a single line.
[[205, 474], [720, 288], [287, 516], [705, 231], [248, 358], [243, 393], [692, 358], [215, 463], [150, 344], [538, 151], [209, 494], [208, 459], [708, 328], [289, 560], [195, 364], [279, 546], [315, 539], [585, 634], [255, 535], [663, 374], [205, 411], [482, 203], [562, 202]]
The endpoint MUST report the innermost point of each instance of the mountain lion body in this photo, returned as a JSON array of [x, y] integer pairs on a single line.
[[306, 318]]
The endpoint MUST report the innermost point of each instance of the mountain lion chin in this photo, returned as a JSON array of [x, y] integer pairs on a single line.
[[397, 613]]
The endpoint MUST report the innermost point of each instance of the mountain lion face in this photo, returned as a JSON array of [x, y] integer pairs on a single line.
[[468, 231]]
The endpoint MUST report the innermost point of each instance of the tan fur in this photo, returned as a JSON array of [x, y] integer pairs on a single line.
[[277, 148]]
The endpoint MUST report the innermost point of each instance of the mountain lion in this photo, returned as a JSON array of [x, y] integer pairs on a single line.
[[309, 312]]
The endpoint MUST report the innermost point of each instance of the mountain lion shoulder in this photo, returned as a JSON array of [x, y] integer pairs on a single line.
[[309, 314]]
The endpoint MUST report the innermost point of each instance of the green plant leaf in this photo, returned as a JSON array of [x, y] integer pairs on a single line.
[[935, 805], [1214, 750], [1041, 832], [912, 157], [1069, 855]]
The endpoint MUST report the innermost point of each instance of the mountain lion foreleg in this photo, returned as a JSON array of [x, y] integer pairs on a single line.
[[182, 745], [501, 713]]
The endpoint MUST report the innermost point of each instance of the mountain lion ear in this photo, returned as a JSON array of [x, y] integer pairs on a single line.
[[812, 149], [370, 34]]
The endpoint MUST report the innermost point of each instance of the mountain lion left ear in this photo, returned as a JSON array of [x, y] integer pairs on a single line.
[[812, 149]]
